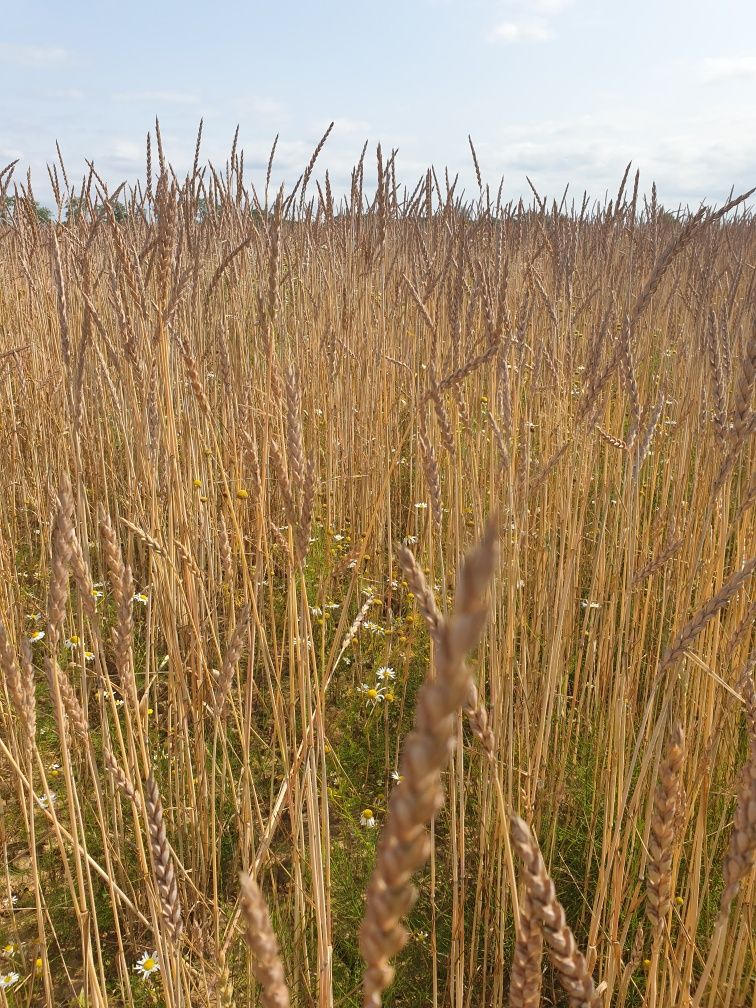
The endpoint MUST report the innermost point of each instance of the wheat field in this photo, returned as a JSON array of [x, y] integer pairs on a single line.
[[266, 736]]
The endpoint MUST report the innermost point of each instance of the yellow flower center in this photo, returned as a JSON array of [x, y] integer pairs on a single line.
[[372, 693], [367, 813], [149, 963]]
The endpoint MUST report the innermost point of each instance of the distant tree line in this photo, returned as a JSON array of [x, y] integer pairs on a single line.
[[74, 209]]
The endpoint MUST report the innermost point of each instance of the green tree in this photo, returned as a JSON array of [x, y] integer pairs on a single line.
[[74, 207], [44, 214], [8, 211], [119, 211]]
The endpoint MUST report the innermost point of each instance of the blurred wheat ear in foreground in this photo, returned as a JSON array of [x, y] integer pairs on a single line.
[[258, 745]]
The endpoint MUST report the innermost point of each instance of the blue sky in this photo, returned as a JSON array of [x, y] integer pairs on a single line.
[[565, 91]]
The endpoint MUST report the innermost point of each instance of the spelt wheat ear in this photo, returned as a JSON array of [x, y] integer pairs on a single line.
[[404, 844], [122, 583], [20, 688], [661, 840], [705, 614], [477, 718], [233, 654], [525, 976], [742, 852], [120, 777], [266, 960], [62, 546], [165, 875], [224, 982], [419, 588], [567, 958]]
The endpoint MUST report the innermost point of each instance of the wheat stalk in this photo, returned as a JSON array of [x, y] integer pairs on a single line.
[[404, 843]]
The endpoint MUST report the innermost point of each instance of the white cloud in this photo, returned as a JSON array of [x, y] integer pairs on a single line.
[[128, 149], [150, 97], [31, 56], [529, 21], [341, 125], [698, 160], [548, 6], [261, 108], [536, 30], [727, 68]]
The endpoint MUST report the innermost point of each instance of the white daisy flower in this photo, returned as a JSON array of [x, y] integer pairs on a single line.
[[367, 818], [385, 672], [147, 965], [46, 800], [8, 979], [373, 627], [409, 540], [315, 610], [421, 505], [396, 776], [37, 636], [141, 598], [89, 656], [10, 949], [338, 537], [373, 694]]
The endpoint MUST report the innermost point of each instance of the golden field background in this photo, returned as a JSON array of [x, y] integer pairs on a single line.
[[223, 410]]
